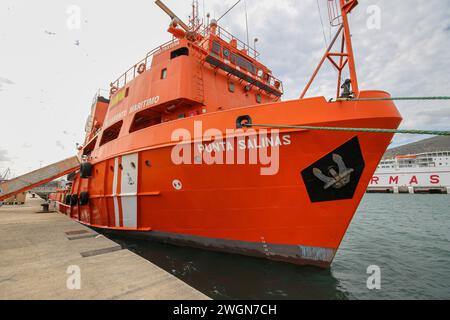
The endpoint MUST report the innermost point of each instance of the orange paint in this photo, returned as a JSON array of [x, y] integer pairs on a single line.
[[212, 79]]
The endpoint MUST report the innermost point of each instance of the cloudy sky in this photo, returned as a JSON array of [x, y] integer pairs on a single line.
[[50, 69]]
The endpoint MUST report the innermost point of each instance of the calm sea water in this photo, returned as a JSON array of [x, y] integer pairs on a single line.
[[407, 236]]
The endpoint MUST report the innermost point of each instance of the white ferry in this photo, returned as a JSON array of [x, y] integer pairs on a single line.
[[427, 172]]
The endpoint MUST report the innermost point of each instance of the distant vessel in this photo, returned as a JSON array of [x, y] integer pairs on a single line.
[[413, 173]]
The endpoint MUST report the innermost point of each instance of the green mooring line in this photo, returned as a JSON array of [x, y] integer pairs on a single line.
[[398, 99], [371, 130]]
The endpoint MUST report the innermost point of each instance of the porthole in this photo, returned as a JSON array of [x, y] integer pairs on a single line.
[[226, 53], [148, 163]]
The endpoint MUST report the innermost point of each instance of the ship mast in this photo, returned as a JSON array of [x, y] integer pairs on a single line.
[[338, 11], [195, 21]]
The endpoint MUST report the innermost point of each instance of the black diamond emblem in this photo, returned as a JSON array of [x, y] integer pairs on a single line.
[[335, 176]]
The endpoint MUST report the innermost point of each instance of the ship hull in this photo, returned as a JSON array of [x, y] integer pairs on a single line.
[[288, 215], [294, 254]]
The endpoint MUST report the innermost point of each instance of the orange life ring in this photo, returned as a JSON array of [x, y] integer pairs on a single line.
[[141, 69]]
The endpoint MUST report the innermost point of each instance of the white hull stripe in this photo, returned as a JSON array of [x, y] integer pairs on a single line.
[[129, 189], [115, 200]]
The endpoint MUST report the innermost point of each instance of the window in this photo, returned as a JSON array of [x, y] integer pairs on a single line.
[[216, 48], [243, 63], [179, 52], [145, 119], [111, 133], [258, 98], [231, 86], [233, 58], [163, 73], [89, 148]]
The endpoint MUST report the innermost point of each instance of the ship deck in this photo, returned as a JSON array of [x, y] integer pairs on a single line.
[[39, 249]]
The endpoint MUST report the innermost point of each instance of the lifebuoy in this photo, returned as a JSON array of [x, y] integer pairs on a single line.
[[142, 67], [113, 90]]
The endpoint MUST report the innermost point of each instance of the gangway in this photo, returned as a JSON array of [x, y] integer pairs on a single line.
[[38, 177]]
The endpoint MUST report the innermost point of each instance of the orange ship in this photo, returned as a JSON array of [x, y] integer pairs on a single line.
[[174, 152]]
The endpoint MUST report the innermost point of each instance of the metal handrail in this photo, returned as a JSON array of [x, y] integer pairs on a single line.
[[227, 36], [130, 74]]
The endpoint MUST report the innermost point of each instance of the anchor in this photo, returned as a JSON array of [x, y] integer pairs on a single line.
[[337, 180]]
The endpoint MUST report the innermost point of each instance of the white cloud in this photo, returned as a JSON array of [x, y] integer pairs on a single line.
[[4, 156], [4, 81]]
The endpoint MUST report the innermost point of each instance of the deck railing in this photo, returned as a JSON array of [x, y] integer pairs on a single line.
[[131, 73], [227, 36]]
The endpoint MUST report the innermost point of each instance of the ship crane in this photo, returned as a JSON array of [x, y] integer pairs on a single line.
[[172, 15], [338, 11]]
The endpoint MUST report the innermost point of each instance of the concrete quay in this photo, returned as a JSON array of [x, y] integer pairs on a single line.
[[47, 256]]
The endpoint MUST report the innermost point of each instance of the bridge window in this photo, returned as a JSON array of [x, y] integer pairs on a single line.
[[145, 119], [216, 48], [243, 63], [179, 52], [111, 133]]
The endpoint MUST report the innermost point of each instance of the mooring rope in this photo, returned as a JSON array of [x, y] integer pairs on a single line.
[[396, 99], [372, 130]]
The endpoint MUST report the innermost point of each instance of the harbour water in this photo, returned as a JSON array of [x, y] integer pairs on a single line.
[[406, 236]]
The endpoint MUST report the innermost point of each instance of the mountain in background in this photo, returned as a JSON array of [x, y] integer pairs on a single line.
[[441, 143]]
